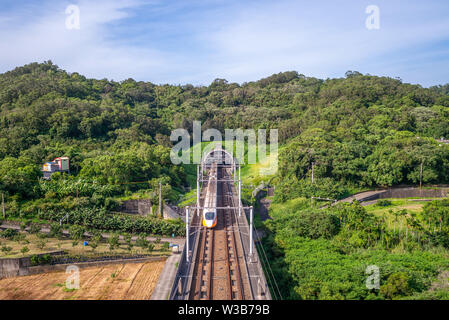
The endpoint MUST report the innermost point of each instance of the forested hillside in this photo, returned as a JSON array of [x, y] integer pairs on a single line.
[[359, 132]]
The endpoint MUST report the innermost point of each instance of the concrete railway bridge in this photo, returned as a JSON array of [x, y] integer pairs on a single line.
[[220, 263]]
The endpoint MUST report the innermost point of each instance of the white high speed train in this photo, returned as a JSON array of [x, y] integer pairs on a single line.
[[210, 201]]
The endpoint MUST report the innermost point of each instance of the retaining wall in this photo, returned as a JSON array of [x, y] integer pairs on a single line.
[[414, 193], [142, 207], [13, 267], [81, 265], [171, 212]]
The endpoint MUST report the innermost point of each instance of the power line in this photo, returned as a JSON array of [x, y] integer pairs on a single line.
[[271, 271]]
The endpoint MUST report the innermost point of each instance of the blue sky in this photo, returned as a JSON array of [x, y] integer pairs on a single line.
[[193, 41]]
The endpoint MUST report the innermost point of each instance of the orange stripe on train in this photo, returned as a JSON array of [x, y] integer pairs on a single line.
[[215, 223]]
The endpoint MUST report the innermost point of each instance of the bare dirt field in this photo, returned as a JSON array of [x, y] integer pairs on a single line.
[[129, 281]]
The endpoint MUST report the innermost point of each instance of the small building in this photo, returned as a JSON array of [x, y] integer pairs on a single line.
[[61, 164]]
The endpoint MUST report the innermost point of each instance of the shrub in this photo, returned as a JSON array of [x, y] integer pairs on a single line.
[[95, 239], [384, 203], [111, 204], [99, 219], [55, 230], [93, 244], [41, 244], [19, 237], [24, 250], [397, 285], [96, 235], [142, 241], [41, 235], [9, 233], [128, 238], [6, 249], [39, 259], [76, 232], [314, 224], [35, 228], [113, 241]]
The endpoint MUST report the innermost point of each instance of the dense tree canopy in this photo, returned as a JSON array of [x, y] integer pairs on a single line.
[[361, 129], [358, 132]]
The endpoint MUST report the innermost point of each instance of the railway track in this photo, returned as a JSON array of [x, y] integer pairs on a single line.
[[219, 273]]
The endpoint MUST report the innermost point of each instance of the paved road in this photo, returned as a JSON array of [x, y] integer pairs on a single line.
[[363, 196], [167, 277]]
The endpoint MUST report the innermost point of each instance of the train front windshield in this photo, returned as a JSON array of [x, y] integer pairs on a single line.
[[209, 215]]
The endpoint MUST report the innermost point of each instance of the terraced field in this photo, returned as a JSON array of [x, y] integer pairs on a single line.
[[130, 281]]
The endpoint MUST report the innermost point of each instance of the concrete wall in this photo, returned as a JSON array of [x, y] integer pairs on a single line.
[[81, 265], [142, 207], [13, 267], [171, 212], [399, 192], [145, 207], [414, 193]]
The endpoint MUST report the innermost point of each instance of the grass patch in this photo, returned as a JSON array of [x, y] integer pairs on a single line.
[[394, 206], [188, 199]]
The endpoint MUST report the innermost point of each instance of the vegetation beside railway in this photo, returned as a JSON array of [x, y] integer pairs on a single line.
[[323, 253], [357, 132]]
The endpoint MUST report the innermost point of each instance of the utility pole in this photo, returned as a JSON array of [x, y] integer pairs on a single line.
[[251, 232], [240, 193], [160, 200], [313, 163], [198, 190], [420, 175], [3, 205], [187, 234]]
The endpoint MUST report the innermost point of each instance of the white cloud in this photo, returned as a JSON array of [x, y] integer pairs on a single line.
[[88, 50], [289, 35], [241, 41]]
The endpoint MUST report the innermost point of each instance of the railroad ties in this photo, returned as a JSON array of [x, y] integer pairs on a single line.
[[219, 272]]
